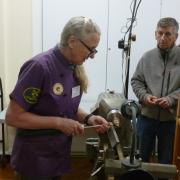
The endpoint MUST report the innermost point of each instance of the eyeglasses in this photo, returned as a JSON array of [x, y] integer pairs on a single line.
[[92, 51]]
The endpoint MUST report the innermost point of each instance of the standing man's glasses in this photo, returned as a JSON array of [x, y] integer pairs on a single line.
[[92, 51]]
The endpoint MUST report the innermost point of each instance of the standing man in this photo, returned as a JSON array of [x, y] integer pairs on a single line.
[[156, 83], [44, 105]]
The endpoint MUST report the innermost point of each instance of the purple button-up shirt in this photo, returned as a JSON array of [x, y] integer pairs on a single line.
[[44, 87]]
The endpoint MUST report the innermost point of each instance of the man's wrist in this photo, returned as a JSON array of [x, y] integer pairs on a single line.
[[87, 118]]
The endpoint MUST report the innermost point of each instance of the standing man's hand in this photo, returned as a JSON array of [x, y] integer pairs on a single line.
[[150, 100], [163, 102]]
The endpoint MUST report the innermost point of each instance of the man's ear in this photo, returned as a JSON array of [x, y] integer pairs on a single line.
[[177, 35], [155, 34], [72, 41]]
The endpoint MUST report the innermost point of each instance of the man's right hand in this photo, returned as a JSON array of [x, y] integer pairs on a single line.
[[150, 100], [70, 127]]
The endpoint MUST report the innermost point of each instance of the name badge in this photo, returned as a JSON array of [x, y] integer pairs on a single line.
[[75, 91]]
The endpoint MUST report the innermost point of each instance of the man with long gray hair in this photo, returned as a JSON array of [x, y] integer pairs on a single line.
[[44, 105]]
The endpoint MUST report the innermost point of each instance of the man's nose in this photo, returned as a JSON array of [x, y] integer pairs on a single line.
[[163, 36]]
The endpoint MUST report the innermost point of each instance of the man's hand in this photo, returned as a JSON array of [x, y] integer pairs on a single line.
[[70, 127], [98, 120], [150, 100], [163, 102]]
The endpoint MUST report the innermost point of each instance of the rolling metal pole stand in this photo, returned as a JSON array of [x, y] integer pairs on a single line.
[[129, 51]]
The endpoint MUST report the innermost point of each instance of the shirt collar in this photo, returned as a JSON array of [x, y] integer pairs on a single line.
[[63, 59]]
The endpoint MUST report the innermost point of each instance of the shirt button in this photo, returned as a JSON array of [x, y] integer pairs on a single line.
[[61, 75], [64, 95]]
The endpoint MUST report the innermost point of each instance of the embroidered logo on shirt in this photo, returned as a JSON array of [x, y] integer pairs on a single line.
[[31, 95], [58, 88]]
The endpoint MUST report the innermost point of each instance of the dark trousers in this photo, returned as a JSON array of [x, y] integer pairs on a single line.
[[148, 130]]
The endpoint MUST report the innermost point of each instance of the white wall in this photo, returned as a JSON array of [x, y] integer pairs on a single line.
[[15, 45], [17, 42], [2, 42], [17, 39], [105, 71]]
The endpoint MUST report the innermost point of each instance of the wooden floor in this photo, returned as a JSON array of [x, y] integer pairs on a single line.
[[81, 169]]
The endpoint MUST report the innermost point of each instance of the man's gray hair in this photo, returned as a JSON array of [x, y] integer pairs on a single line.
[[80, 27], [168, 22]]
